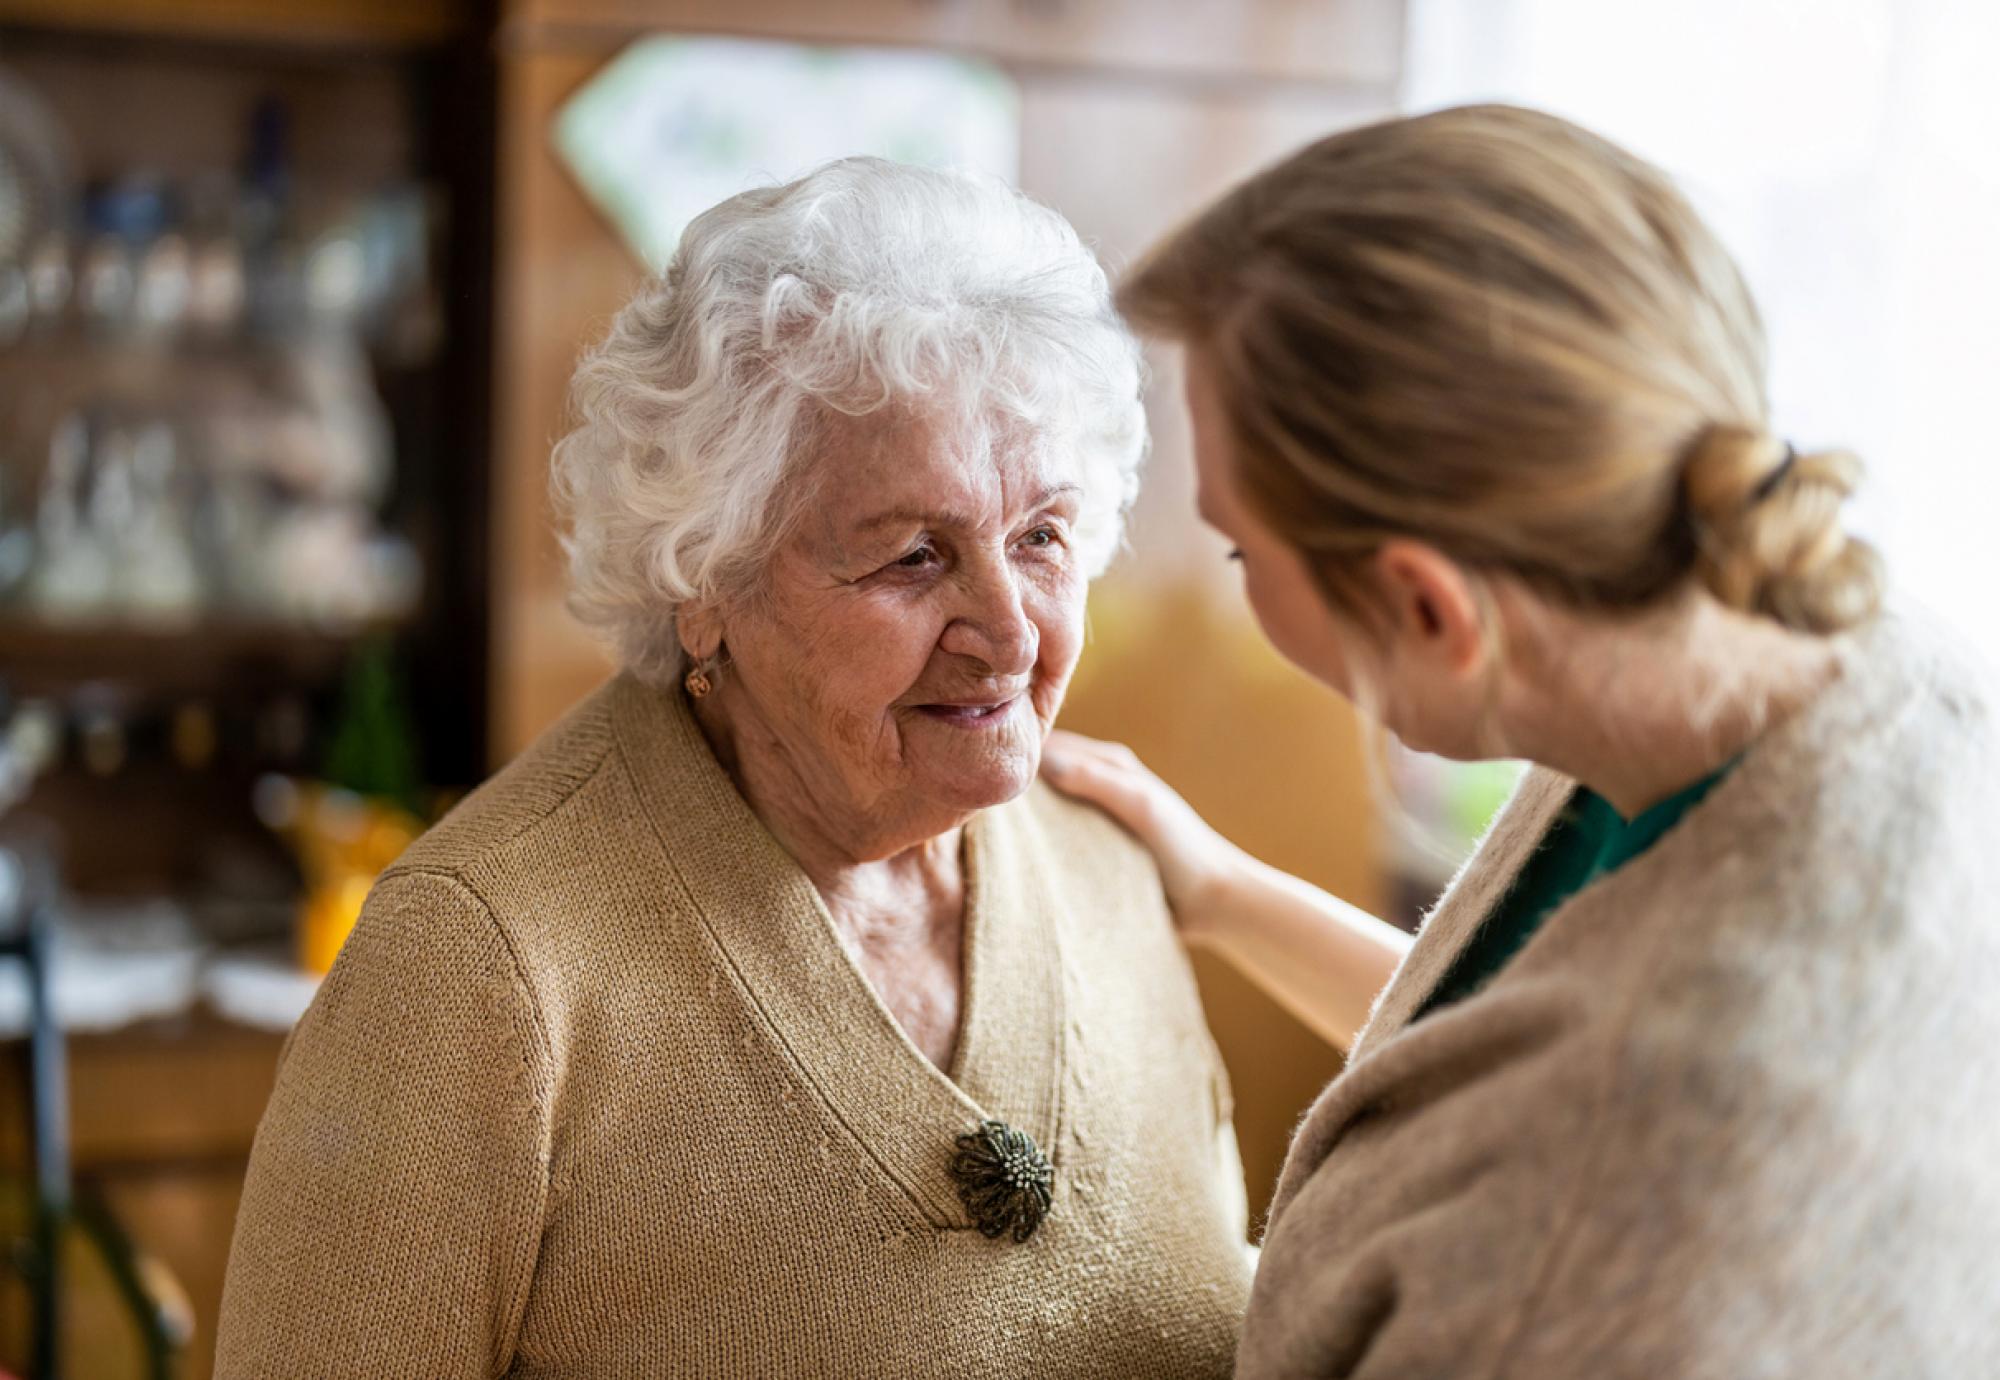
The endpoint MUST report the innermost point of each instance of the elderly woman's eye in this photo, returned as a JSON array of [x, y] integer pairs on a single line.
[[917, 559], [1041, 536]]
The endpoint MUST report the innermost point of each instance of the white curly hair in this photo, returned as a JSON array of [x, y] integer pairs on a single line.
[[862, 285]]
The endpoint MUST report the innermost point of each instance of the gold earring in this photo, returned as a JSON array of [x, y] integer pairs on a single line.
[[697, 682]]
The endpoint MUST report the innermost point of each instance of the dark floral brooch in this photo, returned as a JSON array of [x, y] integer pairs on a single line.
[[1003, 1179]]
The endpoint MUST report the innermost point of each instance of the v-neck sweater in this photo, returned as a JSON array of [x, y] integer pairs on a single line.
[[594, 1090]]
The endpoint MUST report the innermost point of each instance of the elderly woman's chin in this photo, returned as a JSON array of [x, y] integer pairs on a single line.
[[972, 757]]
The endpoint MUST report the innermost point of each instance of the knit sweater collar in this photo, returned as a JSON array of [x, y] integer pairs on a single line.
[[775, 941], [1753, 807]]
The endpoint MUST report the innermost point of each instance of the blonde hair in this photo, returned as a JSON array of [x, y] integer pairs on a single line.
[[1495, 332]]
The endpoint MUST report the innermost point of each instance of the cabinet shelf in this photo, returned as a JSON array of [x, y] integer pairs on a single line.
[[307, 23], [218, 656]]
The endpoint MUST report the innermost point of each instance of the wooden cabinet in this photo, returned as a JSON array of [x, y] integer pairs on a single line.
[[372, 23], [1314, 43], [364, 97], [561, 275]]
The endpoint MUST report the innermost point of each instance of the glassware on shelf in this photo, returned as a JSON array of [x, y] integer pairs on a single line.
[[16, 303], [51, 280], [17, 535], [159, 580], [72, 576], [105, 284], [162, 287], [208, 437], [215, 289]]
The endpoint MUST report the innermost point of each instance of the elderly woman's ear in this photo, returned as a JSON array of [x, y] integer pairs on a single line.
[[699, 628]]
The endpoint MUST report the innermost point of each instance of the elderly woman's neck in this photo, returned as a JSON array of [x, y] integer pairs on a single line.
[[894, 887], [855, 855]]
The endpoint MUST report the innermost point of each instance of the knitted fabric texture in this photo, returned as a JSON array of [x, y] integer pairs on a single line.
[[1734, 1111], [594, 1091]]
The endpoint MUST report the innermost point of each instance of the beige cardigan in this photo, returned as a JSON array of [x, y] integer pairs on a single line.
[[594, 1091], [1733, 1113]]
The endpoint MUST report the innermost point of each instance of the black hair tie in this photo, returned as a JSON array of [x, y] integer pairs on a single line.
[[1768, 485]]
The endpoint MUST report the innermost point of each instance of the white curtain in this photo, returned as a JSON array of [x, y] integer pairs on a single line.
[[1848, 151]]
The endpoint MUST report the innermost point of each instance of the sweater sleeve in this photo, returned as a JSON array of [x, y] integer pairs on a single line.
[[1472, 1205], [392, 1213]]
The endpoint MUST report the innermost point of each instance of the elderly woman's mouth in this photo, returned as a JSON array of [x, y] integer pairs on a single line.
[[970, 714]]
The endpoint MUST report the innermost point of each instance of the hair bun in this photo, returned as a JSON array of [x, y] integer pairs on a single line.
[[1769, 536]]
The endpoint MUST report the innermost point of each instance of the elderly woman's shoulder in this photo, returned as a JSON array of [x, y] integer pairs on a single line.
[[1058, 812], [528, 861], [545, 838], [535, 786], [1081, 839]]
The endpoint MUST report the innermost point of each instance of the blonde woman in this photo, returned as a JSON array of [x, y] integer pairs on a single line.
[[1695, 1068]]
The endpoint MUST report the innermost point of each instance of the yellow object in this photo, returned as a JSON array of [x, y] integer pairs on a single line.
[[327, 916], [343, 842]]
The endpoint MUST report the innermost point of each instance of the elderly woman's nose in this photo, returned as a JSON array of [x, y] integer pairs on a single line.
[[994, 626]]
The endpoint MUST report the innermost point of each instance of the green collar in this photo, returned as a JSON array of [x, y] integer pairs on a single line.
[[1619, 840]]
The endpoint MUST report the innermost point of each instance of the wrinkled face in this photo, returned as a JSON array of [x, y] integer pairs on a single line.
[[915, 633]]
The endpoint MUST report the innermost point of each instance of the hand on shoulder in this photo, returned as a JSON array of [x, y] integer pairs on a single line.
[[1194, 860]]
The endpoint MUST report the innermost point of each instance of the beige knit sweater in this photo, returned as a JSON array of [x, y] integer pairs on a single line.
[[594, 1091], [1733, 1113]]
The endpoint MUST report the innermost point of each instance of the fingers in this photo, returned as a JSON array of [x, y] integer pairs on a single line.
[[1084, 771], [1080, 771], [1066, 746], [1107, 775], [1063, 741], [1111, 777]]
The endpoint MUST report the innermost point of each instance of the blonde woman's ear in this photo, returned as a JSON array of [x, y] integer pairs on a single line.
[[1436, 616]]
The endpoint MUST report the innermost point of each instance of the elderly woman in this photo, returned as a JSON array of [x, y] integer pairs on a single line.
[[765, 1018]]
